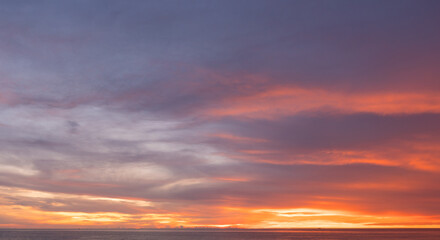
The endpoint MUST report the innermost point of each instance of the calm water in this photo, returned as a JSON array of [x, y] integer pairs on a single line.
[[390, 234]]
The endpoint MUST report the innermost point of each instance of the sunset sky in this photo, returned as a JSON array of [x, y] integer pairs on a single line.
[[229, 113]]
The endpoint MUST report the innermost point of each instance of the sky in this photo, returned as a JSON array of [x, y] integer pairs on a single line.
[[229, 113]]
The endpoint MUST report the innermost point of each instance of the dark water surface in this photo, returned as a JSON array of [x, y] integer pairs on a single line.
[[356, 234]]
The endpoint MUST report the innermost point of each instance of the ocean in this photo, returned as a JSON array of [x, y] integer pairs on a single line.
[[340, 234]]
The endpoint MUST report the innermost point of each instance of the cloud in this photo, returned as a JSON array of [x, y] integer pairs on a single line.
[[219, 113]]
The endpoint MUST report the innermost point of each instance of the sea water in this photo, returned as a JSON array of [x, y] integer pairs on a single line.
[[345, 234]]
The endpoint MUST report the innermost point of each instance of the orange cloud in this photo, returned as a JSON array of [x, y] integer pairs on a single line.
[[281, 101]]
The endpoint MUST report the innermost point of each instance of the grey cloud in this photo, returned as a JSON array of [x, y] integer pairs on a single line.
[[308, 132], [73, 126], [97, 51]]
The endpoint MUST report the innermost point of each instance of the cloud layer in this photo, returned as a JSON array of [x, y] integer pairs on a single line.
[[219, 113]]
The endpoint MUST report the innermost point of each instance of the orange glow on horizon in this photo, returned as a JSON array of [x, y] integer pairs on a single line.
[[237, 217]]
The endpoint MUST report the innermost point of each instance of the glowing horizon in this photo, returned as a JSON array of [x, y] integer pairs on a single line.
[[241, 114]]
